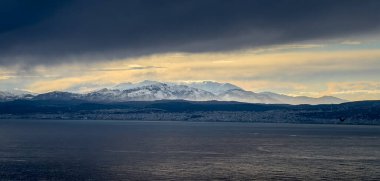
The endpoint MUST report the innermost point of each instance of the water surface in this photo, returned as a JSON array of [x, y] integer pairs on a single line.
[[136, 150]]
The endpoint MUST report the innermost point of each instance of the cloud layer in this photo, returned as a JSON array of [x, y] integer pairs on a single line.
[[46, 33]]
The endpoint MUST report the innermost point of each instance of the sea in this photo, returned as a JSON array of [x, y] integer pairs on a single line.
[[174, 150]]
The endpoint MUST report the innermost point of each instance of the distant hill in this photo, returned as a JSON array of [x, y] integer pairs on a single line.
[[363, 112]]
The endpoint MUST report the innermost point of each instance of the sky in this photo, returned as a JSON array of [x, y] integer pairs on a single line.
[[300, 48]]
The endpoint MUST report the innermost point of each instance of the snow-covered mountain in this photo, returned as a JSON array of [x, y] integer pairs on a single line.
[[247, 96], [152, 91], [273, 98], [209, 86], [13, 95], [164, 91], [4, 96], [303, 99], [213, 87], [193, 91], [129, 85]]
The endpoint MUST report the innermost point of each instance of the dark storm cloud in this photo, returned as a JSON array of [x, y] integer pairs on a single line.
[[46, 32], [19, 14]]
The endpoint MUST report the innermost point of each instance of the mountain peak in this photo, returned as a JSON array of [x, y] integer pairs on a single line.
[[213, 87], [129, 85]]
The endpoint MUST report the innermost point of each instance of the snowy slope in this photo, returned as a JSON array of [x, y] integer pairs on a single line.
[[129, 85], [154, 91], [247, 96], [9, 96], [213, 87]]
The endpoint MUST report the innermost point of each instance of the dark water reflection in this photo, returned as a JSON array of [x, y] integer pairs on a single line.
[[129, 150]]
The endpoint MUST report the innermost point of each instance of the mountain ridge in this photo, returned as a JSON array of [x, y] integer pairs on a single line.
[[192, 91]]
